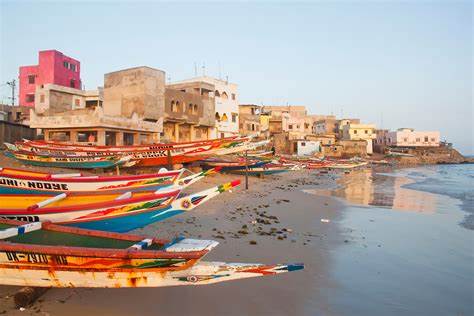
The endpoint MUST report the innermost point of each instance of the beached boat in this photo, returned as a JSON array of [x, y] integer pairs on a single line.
[[49, 255], [69, 162], [17, 181], [109, 212], [267, 169], [233, 163]]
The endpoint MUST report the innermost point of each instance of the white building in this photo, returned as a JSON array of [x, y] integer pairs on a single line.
[[408, 137], [226, 105]]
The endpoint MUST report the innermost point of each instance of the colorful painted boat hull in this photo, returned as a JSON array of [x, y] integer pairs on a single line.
[[16, 181], [69, 162], [202, 273]]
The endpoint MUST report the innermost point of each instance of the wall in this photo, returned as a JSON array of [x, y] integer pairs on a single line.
[[307, 147], [12, 132], [138, 90], [410, 138]]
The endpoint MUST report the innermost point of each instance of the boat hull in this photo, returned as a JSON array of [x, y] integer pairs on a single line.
[[71, 163], [201, 273]]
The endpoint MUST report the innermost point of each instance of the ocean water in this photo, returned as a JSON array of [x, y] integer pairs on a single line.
[[409, 247]]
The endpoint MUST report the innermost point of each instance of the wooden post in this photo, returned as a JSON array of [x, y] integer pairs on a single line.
[[28, 295], [117, 170], [246, 171]]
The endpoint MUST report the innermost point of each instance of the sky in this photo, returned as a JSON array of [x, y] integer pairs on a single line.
[[394, 64]]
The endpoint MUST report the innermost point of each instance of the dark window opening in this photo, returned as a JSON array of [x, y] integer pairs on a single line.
[[31, 79]]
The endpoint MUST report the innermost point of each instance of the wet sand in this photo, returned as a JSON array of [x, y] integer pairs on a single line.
[[290, 231]]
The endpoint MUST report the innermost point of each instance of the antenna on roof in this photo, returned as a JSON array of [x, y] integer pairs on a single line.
[[195, 69], [203, 68], [220, 70], [227, 79]]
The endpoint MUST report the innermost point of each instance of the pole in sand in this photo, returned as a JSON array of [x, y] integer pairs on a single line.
[[246, 171]]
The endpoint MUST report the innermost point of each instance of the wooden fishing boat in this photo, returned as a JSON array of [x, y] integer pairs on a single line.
[[69, 162], [49, 255], [64, 147], [109, 212], [16, 181], [233, 163], [267, 169]]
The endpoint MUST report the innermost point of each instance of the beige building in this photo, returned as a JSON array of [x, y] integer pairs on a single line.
[[249, 120], [365, 132]]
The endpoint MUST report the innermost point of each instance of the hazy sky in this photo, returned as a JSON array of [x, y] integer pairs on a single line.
[[405, 64]]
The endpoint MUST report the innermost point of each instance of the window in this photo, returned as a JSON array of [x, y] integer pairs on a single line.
[[218, 118], [432, 139], [418, 140], [31, 79], [30, 98], [60, 136], [224, 118], [252, 110], [290, 126], [306, 125], [42, 98], [65, 64], [233, 96], [366, 131], [178, 106], [355, 131], [234, 117], [87, 136], [195, 109], [18, 116], [253, 127], [224, 95], [72, 83], [303, 144], [426, 139], [72, 67], [217, 94], [297, 127], [405, 139], [190, 108]]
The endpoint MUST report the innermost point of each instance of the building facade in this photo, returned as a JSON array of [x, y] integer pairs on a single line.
[[53, 68], [226, 103], [128, 111], [354, 131], [407, 137], [249, 120]]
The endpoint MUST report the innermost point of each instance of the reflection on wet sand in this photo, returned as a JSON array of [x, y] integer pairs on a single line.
[[364, 187]]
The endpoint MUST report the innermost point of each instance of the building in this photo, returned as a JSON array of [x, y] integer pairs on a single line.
[[304, 147], [326, 126], [356, 131], [53, 68], [129, 110], [12, 126], [226, 103], [342, 122], [407, 137], [249, 119], [323, 139], [189, 114]]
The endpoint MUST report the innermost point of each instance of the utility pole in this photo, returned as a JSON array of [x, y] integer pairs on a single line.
[[12, 85]]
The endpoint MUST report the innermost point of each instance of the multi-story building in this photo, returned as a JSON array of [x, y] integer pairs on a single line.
[[343, 122], [249, 119], [134, 107], [326, 126], [407, 137], [53, 68], [366, 132], [226, 103]]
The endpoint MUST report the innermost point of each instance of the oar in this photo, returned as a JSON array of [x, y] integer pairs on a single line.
[[19, 230], [124, 196], [65, 175], [56, 198]]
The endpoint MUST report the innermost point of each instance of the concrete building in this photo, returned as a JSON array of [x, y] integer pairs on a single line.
[[12, 126], [53, 68], [129, 110], [189, 113], [354, 131], [407, 137], [226, 103], [326, 126], [342, 122], [249, 119]]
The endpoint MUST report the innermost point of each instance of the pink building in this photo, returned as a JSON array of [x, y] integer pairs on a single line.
[[53, 67]]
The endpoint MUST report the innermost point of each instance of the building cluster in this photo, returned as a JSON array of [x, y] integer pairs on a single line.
[[137, 106]]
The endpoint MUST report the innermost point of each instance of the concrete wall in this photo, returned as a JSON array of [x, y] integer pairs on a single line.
[[189, 108], [138, 90], [12, 132]]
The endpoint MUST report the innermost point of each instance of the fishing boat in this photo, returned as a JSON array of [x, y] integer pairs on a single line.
[[267, 169], [109, 212], [69, 162], [17, 181], [233, 163], [49, 255]]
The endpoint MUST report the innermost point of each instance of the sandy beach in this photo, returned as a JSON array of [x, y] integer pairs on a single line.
[[349, 259]]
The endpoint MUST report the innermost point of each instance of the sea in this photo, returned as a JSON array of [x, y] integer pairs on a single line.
[[409, 247]]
